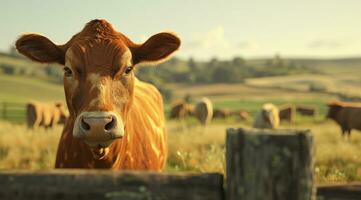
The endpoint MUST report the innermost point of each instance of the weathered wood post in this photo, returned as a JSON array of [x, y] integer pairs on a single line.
[[266, 164]]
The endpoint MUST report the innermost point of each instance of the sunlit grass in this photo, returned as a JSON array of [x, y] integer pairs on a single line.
[[193, 148], [21, 148]]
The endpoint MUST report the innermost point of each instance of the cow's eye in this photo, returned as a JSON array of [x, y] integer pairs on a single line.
[[67, 72], [128, 70]]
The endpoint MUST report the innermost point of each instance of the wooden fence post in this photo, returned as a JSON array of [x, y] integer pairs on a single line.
[[272, 165]]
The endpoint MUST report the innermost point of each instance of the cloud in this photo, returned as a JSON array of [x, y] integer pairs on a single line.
[[246, 45], [213, 43], [324, 44], [212, 38]]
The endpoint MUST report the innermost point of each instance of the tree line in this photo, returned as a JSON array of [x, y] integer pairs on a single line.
[[235, 70]]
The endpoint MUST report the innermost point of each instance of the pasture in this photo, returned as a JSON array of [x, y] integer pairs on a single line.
[[191, 147]]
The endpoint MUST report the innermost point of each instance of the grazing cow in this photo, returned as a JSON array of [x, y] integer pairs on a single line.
[[45, 114], [307, 110], [267, 118], [242, 114], [346, 115], [203, 111], [181, 110], [116, 121], [287, 113], [221, 113]]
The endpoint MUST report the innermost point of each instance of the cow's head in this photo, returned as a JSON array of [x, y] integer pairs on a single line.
[[98, 75], [333, 109]]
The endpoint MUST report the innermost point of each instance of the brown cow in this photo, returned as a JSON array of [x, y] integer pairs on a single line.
[[307, 110], [287, 113], [242, 114], [116, 121], [45, 114], [346, 115], [221, 113], [181, 110]]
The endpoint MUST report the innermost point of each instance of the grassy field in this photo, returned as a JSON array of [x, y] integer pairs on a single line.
[[347, 84], [192, 148]]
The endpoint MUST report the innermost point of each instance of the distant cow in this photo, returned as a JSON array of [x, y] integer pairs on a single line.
[[45, 114], [181, 110], [242, 114], [346, 115], [287, 113], [203, 111], [221, 113], [307, 110], [267, 118]]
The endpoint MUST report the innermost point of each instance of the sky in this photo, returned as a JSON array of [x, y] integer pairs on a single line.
[[208, 28]]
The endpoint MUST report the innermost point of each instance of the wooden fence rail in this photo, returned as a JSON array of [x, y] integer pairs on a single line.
[[351, 191], [101, 184]]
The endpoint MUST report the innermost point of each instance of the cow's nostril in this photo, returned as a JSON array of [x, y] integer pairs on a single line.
[[85, 125], [109, 126]]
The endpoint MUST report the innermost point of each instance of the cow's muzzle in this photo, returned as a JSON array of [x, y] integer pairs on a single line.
[[98, 129]]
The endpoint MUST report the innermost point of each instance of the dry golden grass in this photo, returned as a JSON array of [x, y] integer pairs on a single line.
[[192, 148], [21, 148]]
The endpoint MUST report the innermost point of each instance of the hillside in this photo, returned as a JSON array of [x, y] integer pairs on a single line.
[[23, 89], [22, 80], [345, 85]]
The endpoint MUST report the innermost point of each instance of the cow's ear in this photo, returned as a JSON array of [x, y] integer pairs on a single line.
[[40, 49], [156, 49]]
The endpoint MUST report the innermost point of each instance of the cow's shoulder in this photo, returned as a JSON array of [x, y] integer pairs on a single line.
[[148, 102]]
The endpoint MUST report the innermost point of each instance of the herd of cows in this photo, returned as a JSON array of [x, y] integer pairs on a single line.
[[181, 109], [347, 115]]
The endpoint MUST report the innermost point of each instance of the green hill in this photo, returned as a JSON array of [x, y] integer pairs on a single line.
[[23, 89]]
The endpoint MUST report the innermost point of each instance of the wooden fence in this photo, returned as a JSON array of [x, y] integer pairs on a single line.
[[261, 165], [14, 112]]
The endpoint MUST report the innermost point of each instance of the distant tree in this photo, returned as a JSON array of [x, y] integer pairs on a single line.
[[227, 74], [278, 61], [269, 63], [238, 61], [166, 93], [8, 69], [213, 62], [192, 64]]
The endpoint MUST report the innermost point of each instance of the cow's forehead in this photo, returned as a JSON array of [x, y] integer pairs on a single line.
[[99, 54]]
